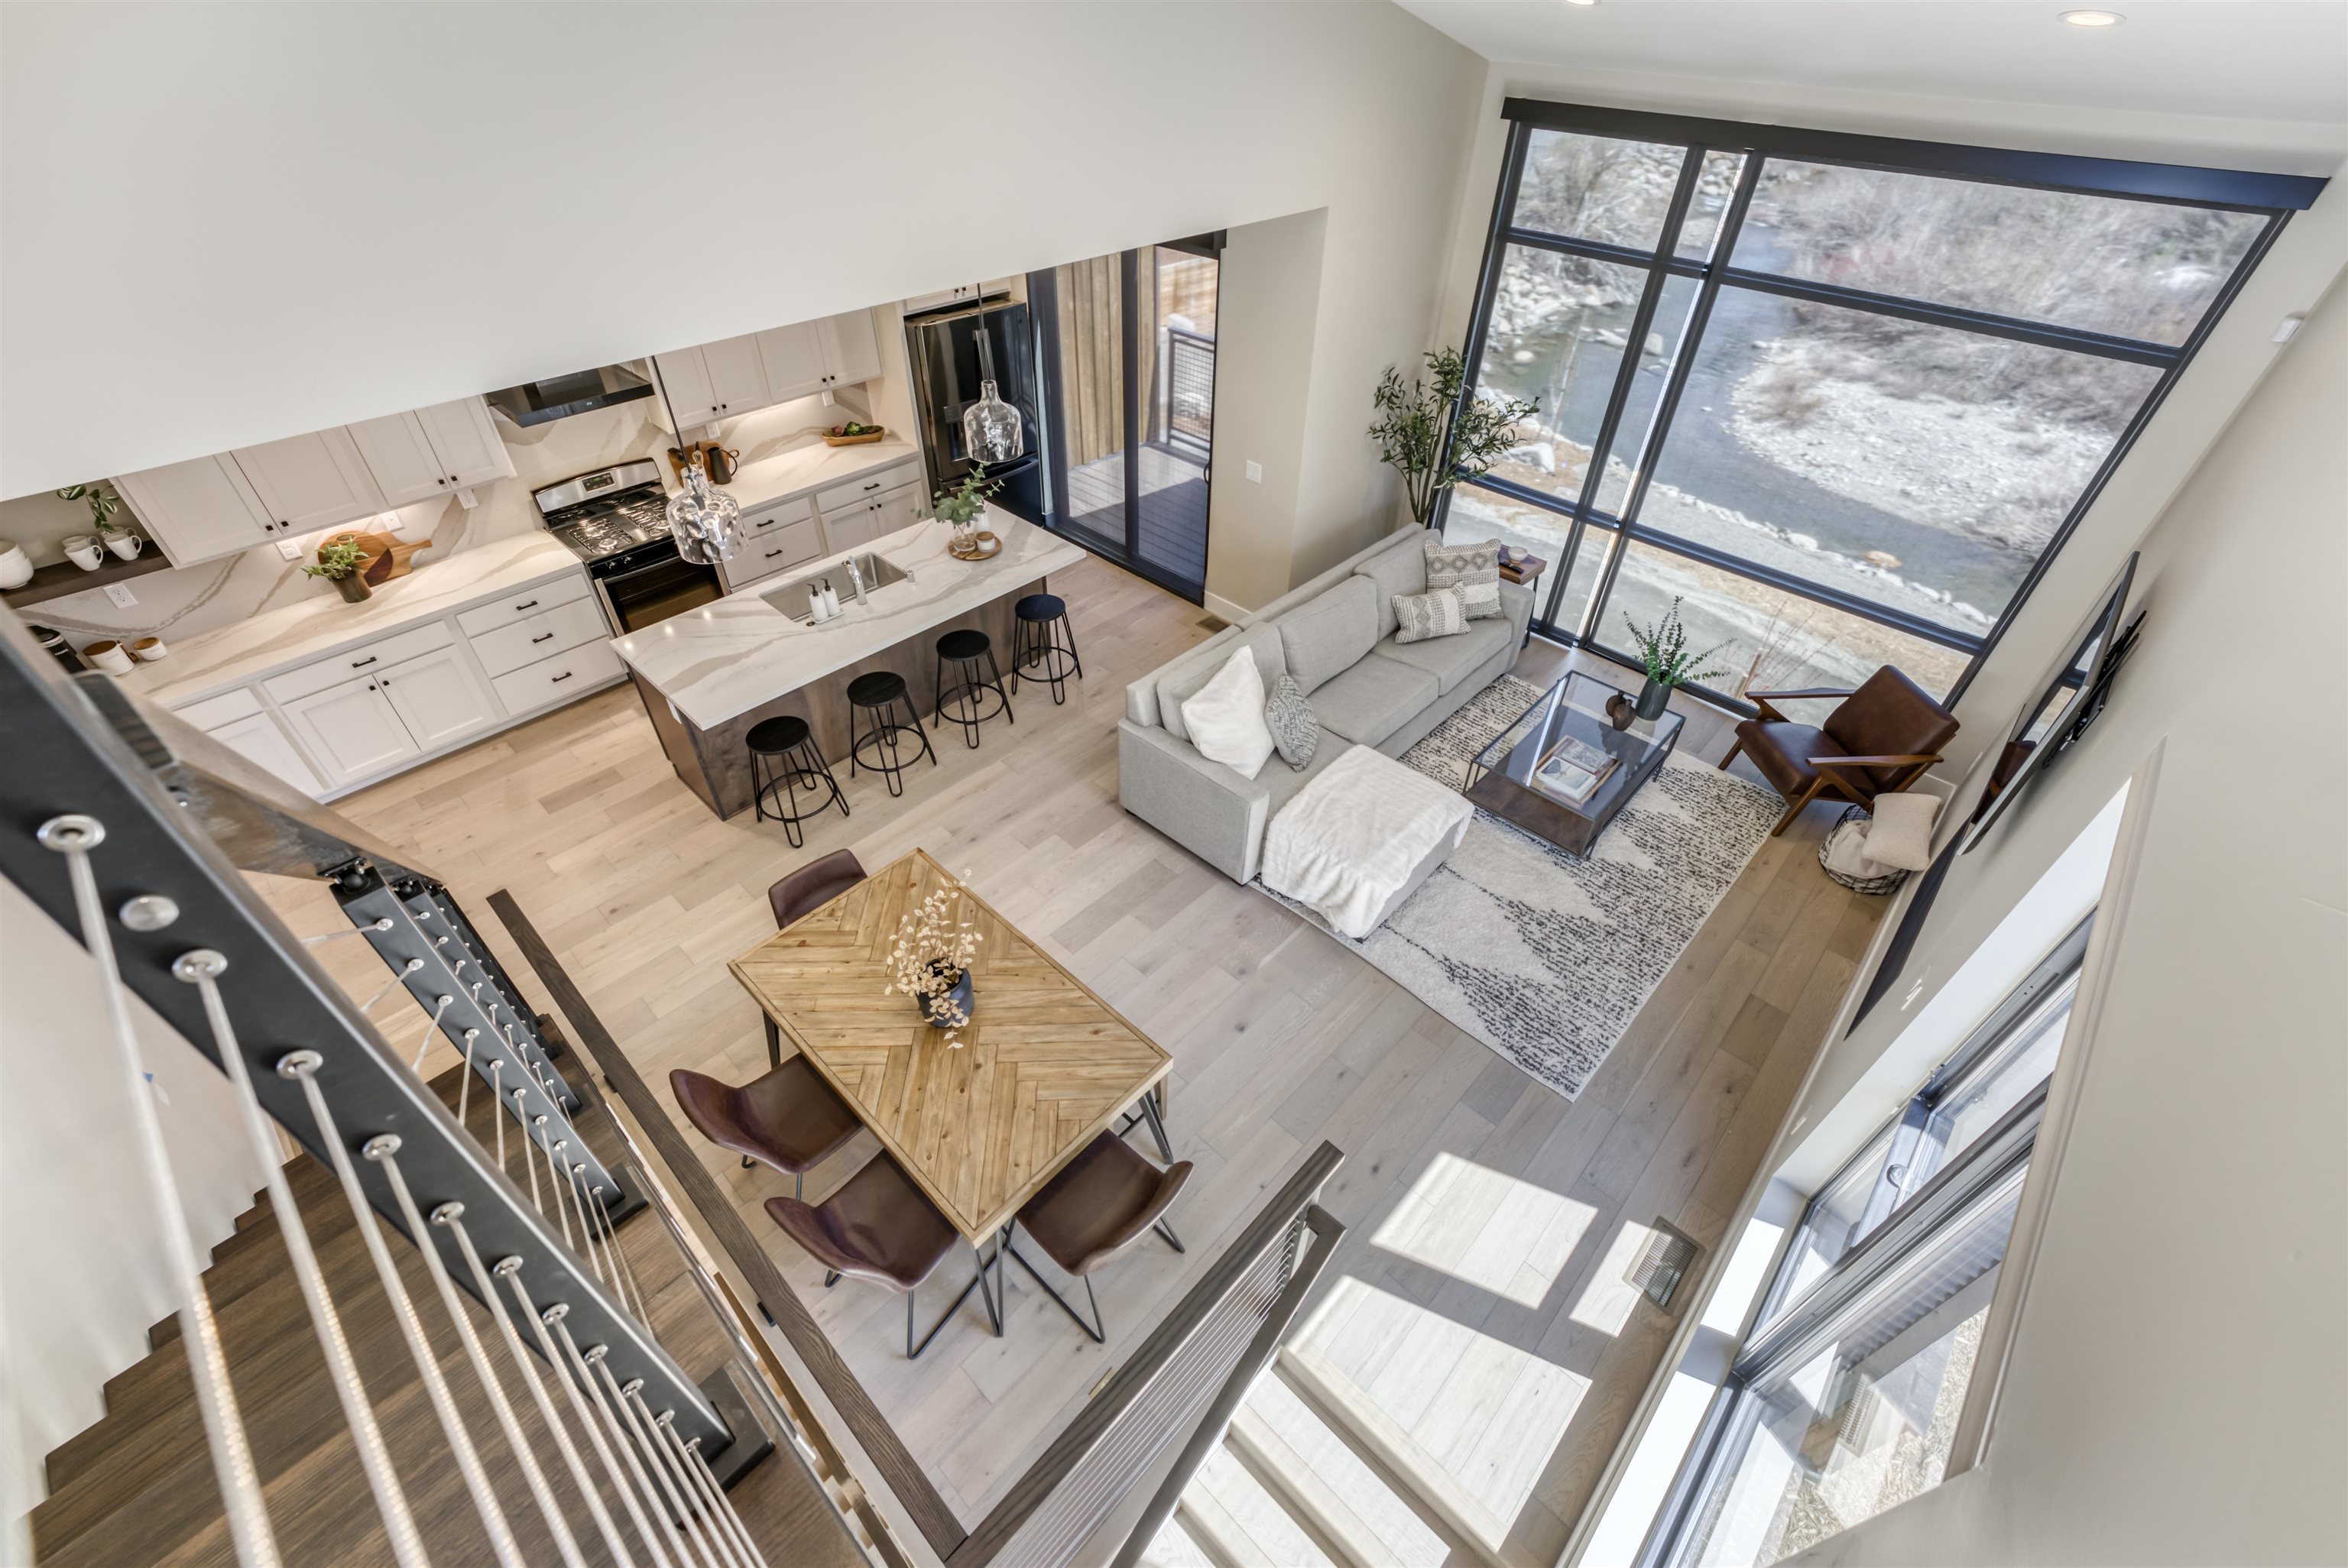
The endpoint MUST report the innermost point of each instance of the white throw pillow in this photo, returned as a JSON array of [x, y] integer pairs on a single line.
[[1901, 833], [1225, 717]]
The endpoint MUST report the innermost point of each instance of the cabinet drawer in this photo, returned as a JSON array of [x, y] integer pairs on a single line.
[[559, 678], [521, 602], [781, 515], [869, 487], [226, 708], [763, 555], [544, 634], [372, 659]]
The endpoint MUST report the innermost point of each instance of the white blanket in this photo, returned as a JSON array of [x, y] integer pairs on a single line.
[[1352, 837]]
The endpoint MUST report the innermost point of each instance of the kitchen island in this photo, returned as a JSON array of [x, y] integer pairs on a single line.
[[708, 675]]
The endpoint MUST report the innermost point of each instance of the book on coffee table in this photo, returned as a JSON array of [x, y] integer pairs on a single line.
[[1572, 771]]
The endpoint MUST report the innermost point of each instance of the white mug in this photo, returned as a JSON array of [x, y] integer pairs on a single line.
[[109, 657], [148, 649], [126, 545], [83, 551], [16, 566]]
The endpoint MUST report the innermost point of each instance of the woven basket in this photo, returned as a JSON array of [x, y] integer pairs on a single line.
[[1888, 883]]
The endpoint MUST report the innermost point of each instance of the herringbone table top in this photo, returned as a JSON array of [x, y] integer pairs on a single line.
[[1043, 1065]]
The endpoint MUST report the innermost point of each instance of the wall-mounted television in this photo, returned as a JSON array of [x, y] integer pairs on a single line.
[[2064, 704]]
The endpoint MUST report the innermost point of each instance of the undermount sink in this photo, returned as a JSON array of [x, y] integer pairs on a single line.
[[792, 598]]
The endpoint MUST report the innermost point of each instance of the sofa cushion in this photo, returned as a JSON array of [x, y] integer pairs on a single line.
[[1473, 569], [1451, 659], [1322, 637], [1398, 571], [1288, 715], [1373, 699], [1225, 717], [1425, 617], [1180, 679]]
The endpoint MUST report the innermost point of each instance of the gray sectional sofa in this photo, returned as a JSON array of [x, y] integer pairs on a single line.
[[1335, 635]]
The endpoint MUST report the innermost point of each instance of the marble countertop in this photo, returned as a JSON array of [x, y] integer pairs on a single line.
[[719, 662], [806, 469], [319, 625]]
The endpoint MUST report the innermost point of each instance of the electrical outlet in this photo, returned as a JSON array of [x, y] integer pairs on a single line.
[[467, 500], [1255, 473], [121, 595], [289, 549]]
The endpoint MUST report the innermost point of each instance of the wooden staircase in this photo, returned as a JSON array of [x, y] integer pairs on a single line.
[[137, 1487]]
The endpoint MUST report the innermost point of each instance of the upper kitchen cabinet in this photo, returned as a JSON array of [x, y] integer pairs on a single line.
[[733, 376], [960, 294], [198, 510], [432, 451], [310, 482]]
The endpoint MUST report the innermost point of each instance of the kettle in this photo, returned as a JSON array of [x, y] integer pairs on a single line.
[[722, 463]]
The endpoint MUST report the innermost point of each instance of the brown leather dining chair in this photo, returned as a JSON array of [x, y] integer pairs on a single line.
[[880, 1226], [1098, 1204], [789, 1119], [812, 885], [1880, 739]]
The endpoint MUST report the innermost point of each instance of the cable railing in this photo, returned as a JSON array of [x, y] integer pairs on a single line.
[[133, 832]]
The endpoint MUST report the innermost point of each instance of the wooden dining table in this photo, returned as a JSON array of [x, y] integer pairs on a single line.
[[1043, 1065]]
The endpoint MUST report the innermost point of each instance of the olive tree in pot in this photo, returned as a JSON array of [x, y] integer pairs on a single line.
[[1432, 436]]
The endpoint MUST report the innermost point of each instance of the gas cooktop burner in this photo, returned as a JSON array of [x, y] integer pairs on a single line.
[[611, 524]]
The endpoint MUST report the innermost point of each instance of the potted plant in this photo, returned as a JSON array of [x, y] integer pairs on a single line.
[[1663, 649], [1434, 436], [930, 961], [966, 503], [339, 560], [103, 504]]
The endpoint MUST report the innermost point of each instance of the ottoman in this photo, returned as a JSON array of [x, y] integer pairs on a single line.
[[1361, 839]]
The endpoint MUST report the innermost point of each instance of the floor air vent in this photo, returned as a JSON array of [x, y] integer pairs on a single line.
[[1664, 1264]]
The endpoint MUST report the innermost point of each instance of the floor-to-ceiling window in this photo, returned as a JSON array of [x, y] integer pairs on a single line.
[[1843, 397]]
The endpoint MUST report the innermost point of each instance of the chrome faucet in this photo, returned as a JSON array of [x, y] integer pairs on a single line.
[[856, 580]]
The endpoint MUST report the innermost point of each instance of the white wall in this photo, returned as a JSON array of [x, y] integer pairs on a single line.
[[2179, 1365], [320, 213], [82, 1270]]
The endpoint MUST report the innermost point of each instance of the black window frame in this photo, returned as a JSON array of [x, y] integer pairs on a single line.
[[2275, 196]]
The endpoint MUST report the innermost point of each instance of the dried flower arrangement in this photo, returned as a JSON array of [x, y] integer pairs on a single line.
[[930, 957]]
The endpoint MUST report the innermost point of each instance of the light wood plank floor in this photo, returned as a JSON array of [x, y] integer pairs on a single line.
[[1279, 1037]]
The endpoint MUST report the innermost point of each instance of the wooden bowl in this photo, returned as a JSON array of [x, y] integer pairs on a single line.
[[831, 440]]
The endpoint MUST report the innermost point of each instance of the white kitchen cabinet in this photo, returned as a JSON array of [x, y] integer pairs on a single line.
[[853, 525], [900, 509], [258, 739], [737, 378], [851, 350], [539, 636], [310, 482], [684, 377], [867, 486], [795, 360], [439, 698], [466, 440], [960, 294], [430, 451], [559, 678], [197, 510], [352, 729]]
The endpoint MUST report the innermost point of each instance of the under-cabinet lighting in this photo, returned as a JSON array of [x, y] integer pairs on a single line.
[[2094, 19]]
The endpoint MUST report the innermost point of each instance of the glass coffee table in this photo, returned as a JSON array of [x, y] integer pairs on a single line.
[[1562, 771]]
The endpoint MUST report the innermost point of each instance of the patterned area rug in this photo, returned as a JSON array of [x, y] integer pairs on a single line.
[[1544, 956]]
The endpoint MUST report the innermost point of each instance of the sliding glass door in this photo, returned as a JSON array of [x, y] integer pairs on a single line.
[[1129, 359], [1841, 397]]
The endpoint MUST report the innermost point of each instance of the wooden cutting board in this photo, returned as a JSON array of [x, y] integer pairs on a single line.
[[386, 557]]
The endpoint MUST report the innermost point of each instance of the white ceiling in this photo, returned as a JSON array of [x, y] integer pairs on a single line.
[[2257, 60]]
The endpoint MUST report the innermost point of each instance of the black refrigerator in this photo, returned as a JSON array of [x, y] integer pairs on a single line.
[[953, 351]]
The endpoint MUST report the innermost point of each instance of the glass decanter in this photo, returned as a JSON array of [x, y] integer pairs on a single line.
[[707, 522], [990, 428]]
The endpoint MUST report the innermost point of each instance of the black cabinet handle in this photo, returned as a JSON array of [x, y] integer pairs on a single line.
[[452, 479], [530, 604], [543, 636], [874, 486], [363, 664], [772, 554], [564, 676]]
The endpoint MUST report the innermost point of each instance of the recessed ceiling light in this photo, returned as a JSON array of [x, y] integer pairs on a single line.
[[1581, 2], [2094, 19]]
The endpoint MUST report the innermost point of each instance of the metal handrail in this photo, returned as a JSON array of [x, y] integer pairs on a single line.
[[82, 745]]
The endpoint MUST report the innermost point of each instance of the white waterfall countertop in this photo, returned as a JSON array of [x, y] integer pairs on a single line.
[[719, 662]]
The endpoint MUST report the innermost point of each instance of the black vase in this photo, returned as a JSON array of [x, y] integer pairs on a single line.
[[959, 994], [1654, 698]]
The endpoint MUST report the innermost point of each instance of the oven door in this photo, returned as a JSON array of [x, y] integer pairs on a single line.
[[642, 591]]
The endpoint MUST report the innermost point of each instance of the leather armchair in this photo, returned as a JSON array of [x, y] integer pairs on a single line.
[[1880, 739]]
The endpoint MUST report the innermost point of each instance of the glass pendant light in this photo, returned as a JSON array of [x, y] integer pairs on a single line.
[[989, 428], [707, 522]]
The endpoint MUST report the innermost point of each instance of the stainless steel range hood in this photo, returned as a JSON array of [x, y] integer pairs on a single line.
[[536, 402]]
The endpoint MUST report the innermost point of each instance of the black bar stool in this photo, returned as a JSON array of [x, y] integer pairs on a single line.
[[877, 695], [1043, 637], [784, 755], [964, 649]]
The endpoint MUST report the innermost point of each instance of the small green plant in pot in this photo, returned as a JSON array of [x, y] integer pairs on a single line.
[[1663, 650], [103, 504], [965, 503], [339, 560]]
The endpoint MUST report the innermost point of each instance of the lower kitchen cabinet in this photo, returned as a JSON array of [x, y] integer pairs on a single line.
[[438, 699], [559, 678], [259, 739], [352, 728]]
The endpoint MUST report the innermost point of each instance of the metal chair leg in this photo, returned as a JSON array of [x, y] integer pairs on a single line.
[[1157, 1126], [1099, 1334], [912, 1350], [1171, 1239], [748, 1162]]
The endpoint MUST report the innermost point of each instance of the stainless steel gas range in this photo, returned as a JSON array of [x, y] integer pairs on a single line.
[[616, 520]]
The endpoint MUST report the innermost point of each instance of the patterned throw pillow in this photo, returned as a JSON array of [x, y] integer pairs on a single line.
[[1296, 731], [1438, 612], [1473, 569]]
